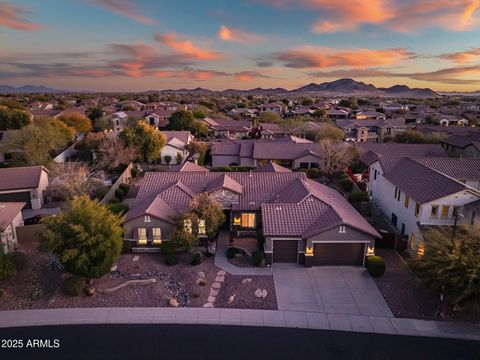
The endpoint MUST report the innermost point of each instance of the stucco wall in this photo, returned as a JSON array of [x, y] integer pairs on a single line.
[[139, 222], [224, 160]]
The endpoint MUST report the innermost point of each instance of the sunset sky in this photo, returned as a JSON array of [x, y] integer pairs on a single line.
[[134, 45]]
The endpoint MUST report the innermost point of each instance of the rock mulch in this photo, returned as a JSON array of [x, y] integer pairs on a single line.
[[403, 294], [238, 292]]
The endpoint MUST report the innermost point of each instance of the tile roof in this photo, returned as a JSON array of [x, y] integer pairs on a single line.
[[290, 203], [370, 152], [462, 141], [16, 178], [272, 167], [457, 168], [187, 166], [182, 136], [157, 208], [421, 183], [224, 182], [8, 211]]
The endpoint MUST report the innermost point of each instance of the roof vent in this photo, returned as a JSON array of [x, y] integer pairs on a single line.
[[278, 208]]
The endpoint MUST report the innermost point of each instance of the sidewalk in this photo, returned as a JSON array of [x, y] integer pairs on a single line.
[[271, 318], [222, 262]]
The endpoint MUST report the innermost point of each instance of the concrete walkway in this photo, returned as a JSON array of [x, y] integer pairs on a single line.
[[271, 318], [222, 262]]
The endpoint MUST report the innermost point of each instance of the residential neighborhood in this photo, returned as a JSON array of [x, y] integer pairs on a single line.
[[211, 179]]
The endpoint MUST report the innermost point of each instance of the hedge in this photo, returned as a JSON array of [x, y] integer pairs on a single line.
[[376, 266], [346, 184], [118, 208], [357, 197], [172, 259], [313, 173], [124, 187], [119, 194], [257, 257], [231, 252], [196, 258]]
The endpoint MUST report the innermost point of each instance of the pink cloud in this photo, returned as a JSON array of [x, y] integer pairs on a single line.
[[312, 57], [462, 57], [239, 36], [125, 8], [186, 47], [397, 15], [13, 16]]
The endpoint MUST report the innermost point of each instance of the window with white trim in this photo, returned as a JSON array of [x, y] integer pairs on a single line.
[[142, 236], [157, 235], [147, 218], [342, 229], [201, 227], [187, 225]]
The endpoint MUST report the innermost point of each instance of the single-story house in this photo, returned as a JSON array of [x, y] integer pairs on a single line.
[[302, 221], [10, 219], [24, 184]]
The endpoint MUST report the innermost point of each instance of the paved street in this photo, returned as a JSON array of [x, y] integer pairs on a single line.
[[343, 290], [227, 342]]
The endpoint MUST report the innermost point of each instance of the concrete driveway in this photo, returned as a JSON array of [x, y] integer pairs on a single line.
[[344, 290]]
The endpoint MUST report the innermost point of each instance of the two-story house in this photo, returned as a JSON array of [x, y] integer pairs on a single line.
[[414, 193]]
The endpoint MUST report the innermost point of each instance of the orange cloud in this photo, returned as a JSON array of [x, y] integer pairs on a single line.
[[311, 57], [248, 75], [12, 16], [397, 15], [125, 8], [462, 57], [186, 47], [239, 36], [190, 74]]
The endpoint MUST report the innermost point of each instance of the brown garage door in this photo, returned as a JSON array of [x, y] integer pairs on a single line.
[[338, 253], [285, 251], [17, 197]]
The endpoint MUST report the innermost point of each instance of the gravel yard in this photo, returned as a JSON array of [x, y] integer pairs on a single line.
[[180, 282], [404, 295]]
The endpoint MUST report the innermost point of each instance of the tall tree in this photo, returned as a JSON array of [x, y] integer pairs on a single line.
[[181, 120], [85, 237], [147, 141], [204, 207], [80, 123], [35, 144], [12, 119], [113, 152], [335, 155]]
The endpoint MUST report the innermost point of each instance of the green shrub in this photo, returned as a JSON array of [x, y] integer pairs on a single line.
[[196, 258], [7, 268], [357, 197], [135, 171], [346, 184], [73, 285], [127, 246], [114, 200], [18, 258], [313, 173], [231, 252], [376, 266], [118, 208], [257, 257], [119, 194], [124, 187], [172, 259], [100, 193], [167, 247], [340, 175]]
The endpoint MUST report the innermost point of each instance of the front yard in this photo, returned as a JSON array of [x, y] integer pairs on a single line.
[[36, 286]]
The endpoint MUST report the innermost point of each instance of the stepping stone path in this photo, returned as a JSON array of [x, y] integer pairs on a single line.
[[215, 288]]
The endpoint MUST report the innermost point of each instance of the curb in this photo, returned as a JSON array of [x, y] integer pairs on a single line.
[[240, 317]]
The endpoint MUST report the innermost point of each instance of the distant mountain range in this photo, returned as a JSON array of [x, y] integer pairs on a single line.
[[7, 89], [341, 87]]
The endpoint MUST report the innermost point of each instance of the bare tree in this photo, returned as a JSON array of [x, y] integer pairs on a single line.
[[335, 155], [71, 179], [114, 152]]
